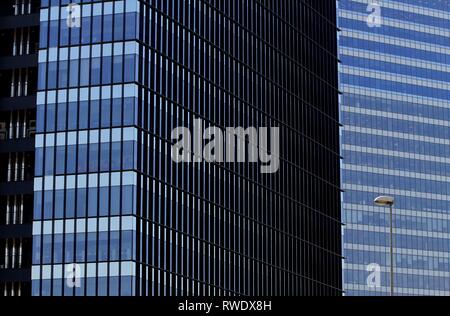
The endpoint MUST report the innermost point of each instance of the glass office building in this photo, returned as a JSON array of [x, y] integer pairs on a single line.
[[395, 107], [19, 35], [114, 215]]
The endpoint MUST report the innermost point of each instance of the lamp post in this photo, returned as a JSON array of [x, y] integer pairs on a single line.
[[389, 201]]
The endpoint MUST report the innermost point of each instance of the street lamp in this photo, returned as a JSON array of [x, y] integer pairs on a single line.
[[388, 201]]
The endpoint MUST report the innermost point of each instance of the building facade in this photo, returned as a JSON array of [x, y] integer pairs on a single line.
[[395, 79], [115, 215], [19, 35]]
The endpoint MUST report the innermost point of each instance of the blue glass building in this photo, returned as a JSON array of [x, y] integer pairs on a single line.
[[395, 107], [86, 149], [115, 215]]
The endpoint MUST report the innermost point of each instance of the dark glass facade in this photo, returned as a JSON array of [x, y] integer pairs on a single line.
[[19, 34], [108, 196]]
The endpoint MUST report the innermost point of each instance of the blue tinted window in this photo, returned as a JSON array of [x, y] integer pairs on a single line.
[[104, 157], [81, 202], [82, 158], [85, 30], [95, 71], [118, 27], [116, 155], [106, 69], [57, 248], [37, 206], [60, 160], [94, 114], [59, 204], [61, 119], [84, 115], [93, 157], [92, 202], [73, 116], [69, 247], [92, 247], [130, 26], [71, 158], [84, 69], [70, 203], [117, 72], [51, 117], [49, 160], [103, 246], [104, 201], [81, 247]]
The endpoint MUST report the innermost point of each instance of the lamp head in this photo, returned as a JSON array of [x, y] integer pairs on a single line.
[[384, 201]]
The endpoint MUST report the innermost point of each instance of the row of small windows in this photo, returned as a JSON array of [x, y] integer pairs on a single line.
[[405, 202], [401, 240]]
